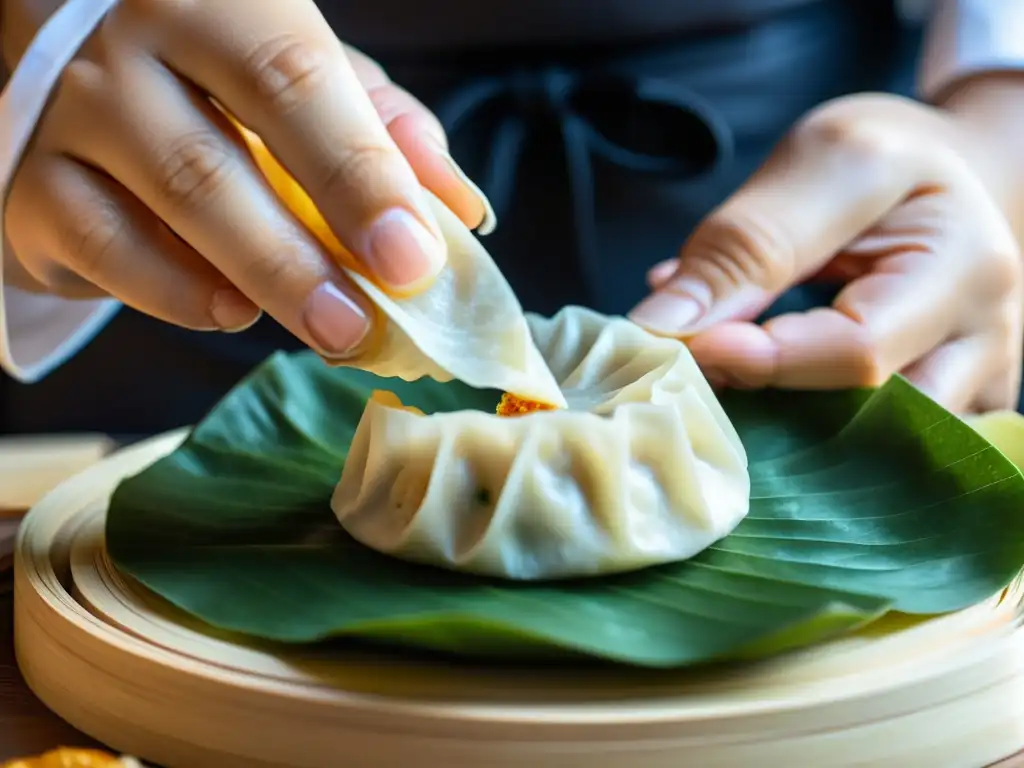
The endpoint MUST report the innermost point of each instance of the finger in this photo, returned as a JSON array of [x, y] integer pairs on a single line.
[[819, 349], [785, 223], [41, 275], [842, 269], [918, 221], [916, 224], [14, 271], [877, 325], [1006, 329], [954, 374], [907, 306], [421, 138], [85, 236], [285, 76], [173, 152], [659, 274], [838, 270], [1000, 392]]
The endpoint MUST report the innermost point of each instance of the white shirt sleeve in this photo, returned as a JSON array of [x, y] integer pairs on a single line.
[[968, 37], [44, 331], [38, 333]]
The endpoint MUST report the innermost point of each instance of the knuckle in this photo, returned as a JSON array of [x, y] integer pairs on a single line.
[[94, 239], [743, 248], [81, 78], [390, 101], [859, 139], [287, 72], [194, 169], [274, 269], [867, 362], [356, 167]]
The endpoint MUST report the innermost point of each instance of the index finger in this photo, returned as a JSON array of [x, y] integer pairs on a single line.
[[281, 71], [821, 187]]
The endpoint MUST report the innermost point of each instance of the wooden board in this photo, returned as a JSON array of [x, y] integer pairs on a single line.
[[120, 664], [31, 466]]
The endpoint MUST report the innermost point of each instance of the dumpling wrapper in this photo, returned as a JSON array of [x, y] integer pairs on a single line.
[[643, 468], [467, 325]]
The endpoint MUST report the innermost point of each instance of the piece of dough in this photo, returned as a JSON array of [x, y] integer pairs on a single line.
[[467, 325], [643, 468]]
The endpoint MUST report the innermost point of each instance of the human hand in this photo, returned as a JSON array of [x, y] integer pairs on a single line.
[[137, 186], [890, 197]]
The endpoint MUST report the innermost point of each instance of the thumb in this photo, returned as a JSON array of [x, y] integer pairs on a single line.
[[822, 187]]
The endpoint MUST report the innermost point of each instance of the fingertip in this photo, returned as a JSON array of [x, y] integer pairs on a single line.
[[232, 311], [742, 355], [336, 322], [405, 250], [660, 273], [666, 313], [824, 349]]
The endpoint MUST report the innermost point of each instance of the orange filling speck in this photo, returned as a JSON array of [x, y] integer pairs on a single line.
[[513, 405]]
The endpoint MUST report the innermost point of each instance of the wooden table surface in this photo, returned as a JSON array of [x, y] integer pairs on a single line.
[[29, 467], [26, 726]]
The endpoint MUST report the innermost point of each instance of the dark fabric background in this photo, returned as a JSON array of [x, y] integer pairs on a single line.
[[140, 376]]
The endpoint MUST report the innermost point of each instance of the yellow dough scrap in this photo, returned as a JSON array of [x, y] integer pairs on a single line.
[[291, 193], [66, 757]]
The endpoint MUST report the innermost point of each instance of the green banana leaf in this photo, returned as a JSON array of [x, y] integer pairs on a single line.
[[863, 502]]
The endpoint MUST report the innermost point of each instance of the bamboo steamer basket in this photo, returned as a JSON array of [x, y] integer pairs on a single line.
[[125, 667]]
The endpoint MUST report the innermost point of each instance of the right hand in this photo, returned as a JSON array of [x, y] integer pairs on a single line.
[[136, 186]]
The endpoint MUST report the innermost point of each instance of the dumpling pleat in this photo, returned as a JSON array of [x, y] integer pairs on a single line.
[[643, 468]]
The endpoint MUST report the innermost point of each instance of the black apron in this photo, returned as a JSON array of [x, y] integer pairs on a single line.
[[599, 160]]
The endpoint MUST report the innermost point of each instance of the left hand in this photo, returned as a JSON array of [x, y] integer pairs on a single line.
[[894, 199]]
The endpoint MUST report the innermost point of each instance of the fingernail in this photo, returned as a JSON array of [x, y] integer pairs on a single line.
[[232, 311], [490, 219], [335, 321], [659, 274], [401, 251], [668, 314]]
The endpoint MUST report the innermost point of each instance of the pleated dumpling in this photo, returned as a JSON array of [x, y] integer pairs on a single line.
[[643, 467], [467, 325]]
